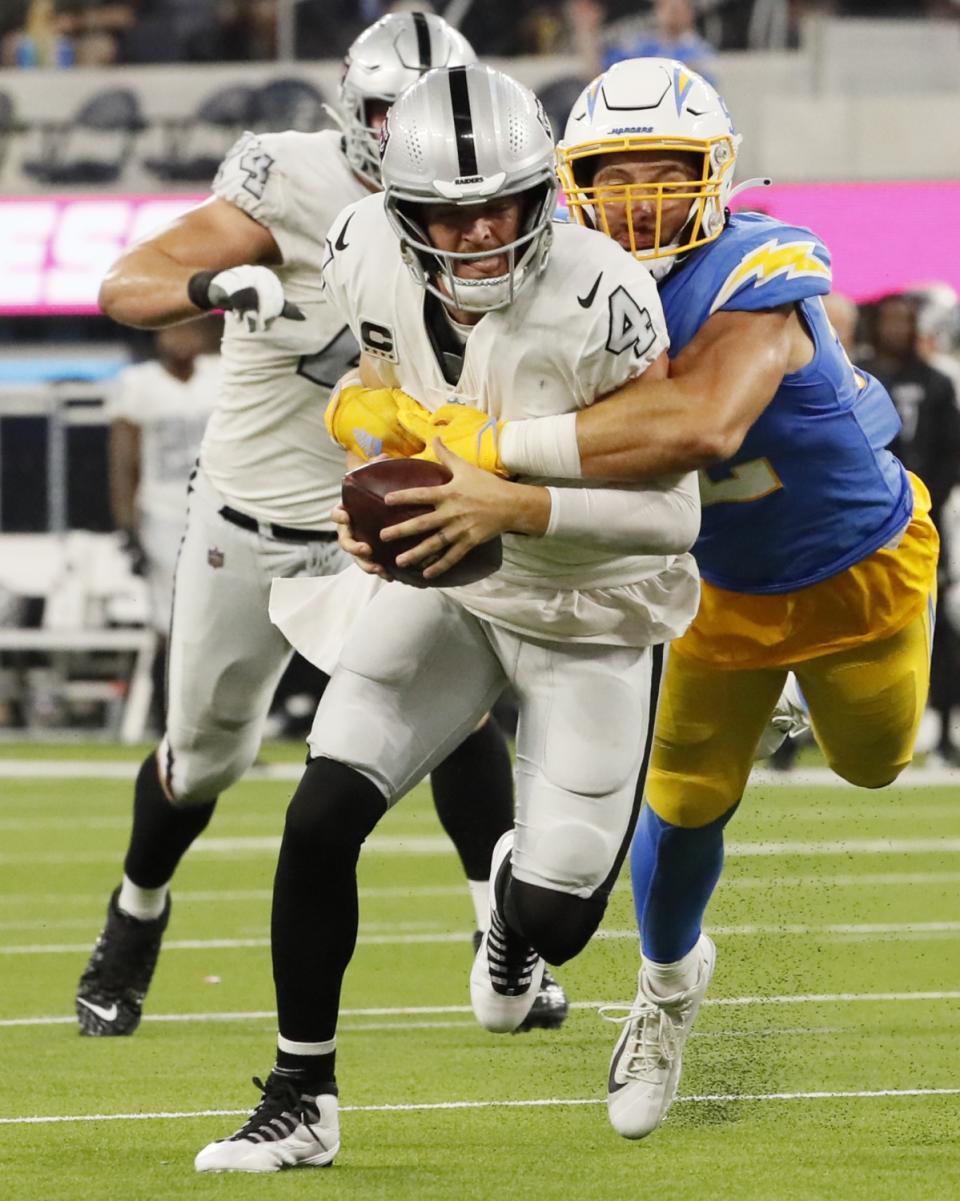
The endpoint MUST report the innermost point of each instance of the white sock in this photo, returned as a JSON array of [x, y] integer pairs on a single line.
[[667, 979], [480, 895], [145, 904]]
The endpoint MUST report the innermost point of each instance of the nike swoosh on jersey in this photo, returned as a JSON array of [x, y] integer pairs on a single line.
[[108, 1015], [586, 301], [340, 244]]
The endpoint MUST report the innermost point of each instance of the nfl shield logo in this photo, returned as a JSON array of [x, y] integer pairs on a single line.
[[215, 557]]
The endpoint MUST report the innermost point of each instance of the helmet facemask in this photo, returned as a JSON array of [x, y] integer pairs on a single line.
[[706, 194], [361, 140], [435, 269], [456, 141]]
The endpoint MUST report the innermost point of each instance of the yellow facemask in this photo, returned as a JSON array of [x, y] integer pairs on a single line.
[[589, 205]]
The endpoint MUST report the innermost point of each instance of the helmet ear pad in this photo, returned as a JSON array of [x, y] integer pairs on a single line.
[[407, 211]]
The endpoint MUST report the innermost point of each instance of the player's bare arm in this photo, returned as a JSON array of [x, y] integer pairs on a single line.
[[147, 286], [124, 474], [717, 388], [477, 505]]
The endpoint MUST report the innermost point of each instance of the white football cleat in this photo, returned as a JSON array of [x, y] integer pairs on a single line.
[[507, 973], [287, 1129], [790, 718], [646, 1062]]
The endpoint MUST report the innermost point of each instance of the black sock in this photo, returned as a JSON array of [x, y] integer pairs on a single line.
[[473, 793], [161, 832], [315, 909]]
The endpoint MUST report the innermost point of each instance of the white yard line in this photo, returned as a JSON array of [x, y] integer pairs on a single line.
[[77, 769], [825, 880], [385, 844], [414, 892], [407, 1011], [534, 1103], [864, 931]]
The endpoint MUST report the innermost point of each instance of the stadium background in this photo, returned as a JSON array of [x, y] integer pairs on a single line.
[[112, 118]]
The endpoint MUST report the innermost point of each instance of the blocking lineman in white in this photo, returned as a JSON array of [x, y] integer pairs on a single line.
[[261, 496]]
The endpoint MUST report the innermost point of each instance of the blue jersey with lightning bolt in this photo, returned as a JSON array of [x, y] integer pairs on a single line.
[[813, 489]]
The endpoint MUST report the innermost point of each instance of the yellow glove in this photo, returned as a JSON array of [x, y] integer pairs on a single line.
[[472, 435], [364, 421], [415, 419]]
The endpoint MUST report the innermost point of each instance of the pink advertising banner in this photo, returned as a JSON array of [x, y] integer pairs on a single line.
[[884, 237], [55, 250]]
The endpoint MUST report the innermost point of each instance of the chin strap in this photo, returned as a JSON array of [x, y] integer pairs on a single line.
[[334, 115], [762, 181]]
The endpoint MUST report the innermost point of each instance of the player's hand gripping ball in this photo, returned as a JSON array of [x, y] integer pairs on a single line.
[[363, 493]]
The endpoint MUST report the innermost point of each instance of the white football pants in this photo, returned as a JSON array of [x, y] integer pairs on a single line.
[[225, 657], [417, 673]]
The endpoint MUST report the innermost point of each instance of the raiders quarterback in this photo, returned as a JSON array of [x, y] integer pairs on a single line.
[[455, 281], [260, 499]]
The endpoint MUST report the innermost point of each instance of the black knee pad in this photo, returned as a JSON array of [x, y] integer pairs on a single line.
[[557, 924], [333, 806]]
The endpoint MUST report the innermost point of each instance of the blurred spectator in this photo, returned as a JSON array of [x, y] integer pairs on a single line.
[[929, 442], [326, 28], [41, 41], [169, 31], [61, 33], [672, 34], [158, 411], [938, 328], [929, 445], [247, 30], [96, 27], [843, 315]]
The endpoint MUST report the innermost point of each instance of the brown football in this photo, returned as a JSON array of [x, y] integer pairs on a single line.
[[363, 493]]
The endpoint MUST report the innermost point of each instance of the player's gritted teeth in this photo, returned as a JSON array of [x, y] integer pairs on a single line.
[[485, 268]]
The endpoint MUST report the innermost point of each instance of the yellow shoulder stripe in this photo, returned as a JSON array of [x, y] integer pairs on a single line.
[[769, 261]]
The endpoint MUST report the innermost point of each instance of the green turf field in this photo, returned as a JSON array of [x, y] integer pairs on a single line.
[[825, 1065]]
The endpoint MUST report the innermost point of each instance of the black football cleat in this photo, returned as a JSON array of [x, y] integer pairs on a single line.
[[115, 981], [551, 1007]]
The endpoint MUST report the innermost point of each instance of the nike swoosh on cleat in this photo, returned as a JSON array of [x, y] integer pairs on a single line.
[[340, 244], [107, 1015], [586, 301]]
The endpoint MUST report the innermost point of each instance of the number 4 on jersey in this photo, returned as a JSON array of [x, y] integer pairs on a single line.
[[630, 325]]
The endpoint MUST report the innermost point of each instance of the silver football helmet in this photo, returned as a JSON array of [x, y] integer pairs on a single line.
[[461, 137], [385, 60]]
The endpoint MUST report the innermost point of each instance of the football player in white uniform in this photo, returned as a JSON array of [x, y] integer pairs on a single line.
[[158, 410], [451, 284], [817, 550], [260, 500]]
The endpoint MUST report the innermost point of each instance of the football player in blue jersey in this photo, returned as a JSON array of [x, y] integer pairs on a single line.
[[817, 552]]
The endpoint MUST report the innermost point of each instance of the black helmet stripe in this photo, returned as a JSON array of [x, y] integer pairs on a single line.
[[423, 41], [463, 121]]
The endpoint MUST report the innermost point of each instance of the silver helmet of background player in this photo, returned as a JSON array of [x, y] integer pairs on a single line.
[[463, 137], [383, 62]]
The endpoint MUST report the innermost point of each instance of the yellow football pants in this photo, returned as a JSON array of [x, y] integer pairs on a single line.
[[865, 705]]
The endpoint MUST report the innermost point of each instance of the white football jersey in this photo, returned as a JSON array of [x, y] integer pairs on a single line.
[[591, 322], [171, 415], [266, 449]]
